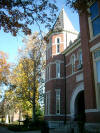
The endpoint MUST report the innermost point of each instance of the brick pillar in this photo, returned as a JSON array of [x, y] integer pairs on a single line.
[[87, 63]]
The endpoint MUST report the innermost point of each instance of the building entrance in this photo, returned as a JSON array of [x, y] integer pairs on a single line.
[[80, 107]]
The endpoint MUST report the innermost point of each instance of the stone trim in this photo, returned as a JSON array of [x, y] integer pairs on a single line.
[[91, 110], [94, 37], [95, 47], [76, 91], [72, 47], [54, 79], [54, 115], [57, 61], [73, 74], [68, 64]]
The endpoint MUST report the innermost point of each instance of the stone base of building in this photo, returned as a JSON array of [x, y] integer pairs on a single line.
[[92, 127], [55, 124]]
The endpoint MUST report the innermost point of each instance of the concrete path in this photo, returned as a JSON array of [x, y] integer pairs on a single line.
[[5, 130]]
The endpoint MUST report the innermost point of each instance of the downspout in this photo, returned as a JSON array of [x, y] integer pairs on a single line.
[[65, 87]]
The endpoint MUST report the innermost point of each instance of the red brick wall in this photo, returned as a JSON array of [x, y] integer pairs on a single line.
[[87, 63]]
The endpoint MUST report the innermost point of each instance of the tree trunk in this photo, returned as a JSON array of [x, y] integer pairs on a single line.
[[34, 93], [33, 115]]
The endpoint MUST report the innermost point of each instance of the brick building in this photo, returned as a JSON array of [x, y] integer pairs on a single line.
[[72, 88]]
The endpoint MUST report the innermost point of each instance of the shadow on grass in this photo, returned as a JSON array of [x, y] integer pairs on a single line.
[[30, 126]]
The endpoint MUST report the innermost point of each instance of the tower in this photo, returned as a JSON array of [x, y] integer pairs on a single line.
[[60, 37]]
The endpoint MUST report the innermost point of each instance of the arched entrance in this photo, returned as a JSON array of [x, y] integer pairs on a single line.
[[77, 106], [80, 107]]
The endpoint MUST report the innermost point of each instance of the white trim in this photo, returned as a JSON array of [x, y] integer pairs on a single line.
[[95, 47], [58, 71], [61, 32], [57, 89], [65, 39], [57, 43], [91, 110], [68, 64], [76, 91], [54, 79], [55, 115], [79, 77], [57, 61], [47, 105], [69, 115], [72, 47], [74, 73], [94, 37]]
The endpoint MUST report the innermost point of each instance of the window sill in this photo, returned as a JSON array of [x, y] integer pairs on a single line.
[[94, 37]]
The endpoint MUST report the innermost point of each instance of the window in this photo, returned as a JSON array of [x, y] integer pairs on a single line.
[[73, 63], [57, 45], [47, 103], [58, 40], [80, 56], [95, 18], [58, 48], [57, 101], [97, 62], [57, 70], [97, 75], [48, 73], [98, 71], [96, 54]]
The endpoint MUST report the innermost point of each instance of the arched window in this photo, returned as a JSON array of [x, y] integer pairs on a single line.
[[57, 41], [73, 63]]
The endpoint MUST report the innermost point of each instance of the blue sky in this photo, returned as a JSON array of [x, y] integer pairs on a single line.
[[10, 44]]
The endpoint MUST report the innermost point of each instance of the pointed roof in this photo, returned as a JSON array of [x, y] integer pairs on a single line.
[[63, 23]]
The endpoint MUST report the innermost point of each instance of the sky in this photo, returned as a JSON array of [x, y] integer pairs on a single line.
[[10, 44]]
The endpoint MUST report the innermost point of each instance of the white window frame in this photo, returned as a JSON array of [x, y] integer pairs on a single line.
[[47, 103], [90, 24], [57, 44], [80, 57], [97, 84], [73, 63], [57, 69], [48, 72], [57, 100]]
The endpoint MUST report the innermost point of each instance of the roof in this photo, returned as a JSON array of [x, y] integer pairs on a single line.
[[63, 23]]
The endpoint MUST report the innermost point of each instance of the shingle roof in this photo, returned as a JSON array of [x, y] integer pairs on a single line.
[[63, 23]]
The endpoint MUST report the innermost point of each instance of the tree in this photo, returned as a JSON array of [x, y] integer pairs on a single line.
[[21, 77], [18, 15], [79, 5], [35, 49], [27, 75], [4, 68]]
